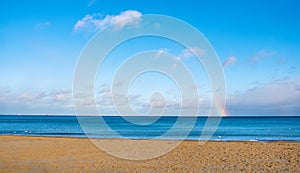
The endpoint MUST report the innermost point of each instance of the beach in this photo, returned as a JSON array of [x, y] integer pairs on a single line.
[[52, 154]]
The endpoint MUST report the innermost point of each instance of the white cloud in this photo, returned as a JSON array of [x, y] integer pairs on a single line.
[[96, 22], [161, 52], [61, 95], [277, 97], [228, 61], [56, 102], [26, 97], [104, 90], [191, 52], [263, 54]]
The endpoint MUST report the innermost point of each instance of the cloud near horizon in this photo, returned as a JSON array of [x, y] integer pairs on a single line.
[[96, 22], [54, 102], [278, 97]]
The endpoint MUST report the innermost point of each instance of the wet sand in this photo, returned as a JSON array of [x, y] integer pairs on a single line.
[[48, 154]]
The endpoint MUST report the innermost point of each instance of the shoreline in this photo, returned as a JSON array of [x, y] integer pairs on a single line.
[[188, 140], [61, 154]]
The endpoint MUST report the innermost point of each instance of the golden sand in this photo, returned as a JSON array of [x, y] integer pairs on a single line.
[[47, 154]]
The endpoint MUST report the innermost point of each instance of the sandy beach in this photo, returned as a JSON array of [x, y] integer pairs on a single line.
[[48, 154]]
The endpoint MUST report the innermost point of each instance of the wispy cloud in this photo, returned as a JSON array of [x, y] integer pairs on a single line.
[[263, 54], [191, 52], [282, 59], [26, 97], [91, 2], [228, 61], [161, 52], [96, 22], [30, 97], [42, 25], [29, 102], [61, 95]]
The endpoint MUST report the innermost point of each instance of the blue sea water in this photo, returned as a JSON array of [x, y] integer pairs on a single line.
[[230, 128]]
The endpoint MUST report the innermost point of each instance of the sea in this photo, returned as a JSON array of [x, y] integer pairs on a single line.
[[237, 128]]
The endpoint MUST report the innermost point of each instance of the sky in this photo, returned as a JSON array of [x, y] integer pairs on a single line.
[[257, 43]]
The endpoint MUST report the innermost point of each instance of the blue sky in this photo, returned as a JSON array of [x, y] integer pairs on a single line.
[[257, 43]]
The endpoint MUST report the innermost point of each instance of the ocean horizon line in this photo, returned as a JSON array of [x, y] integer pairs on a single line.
[[111, 115]]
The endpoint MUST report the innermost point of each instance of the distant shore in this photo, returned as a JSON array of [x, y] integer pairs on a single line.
[[49, 154]]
